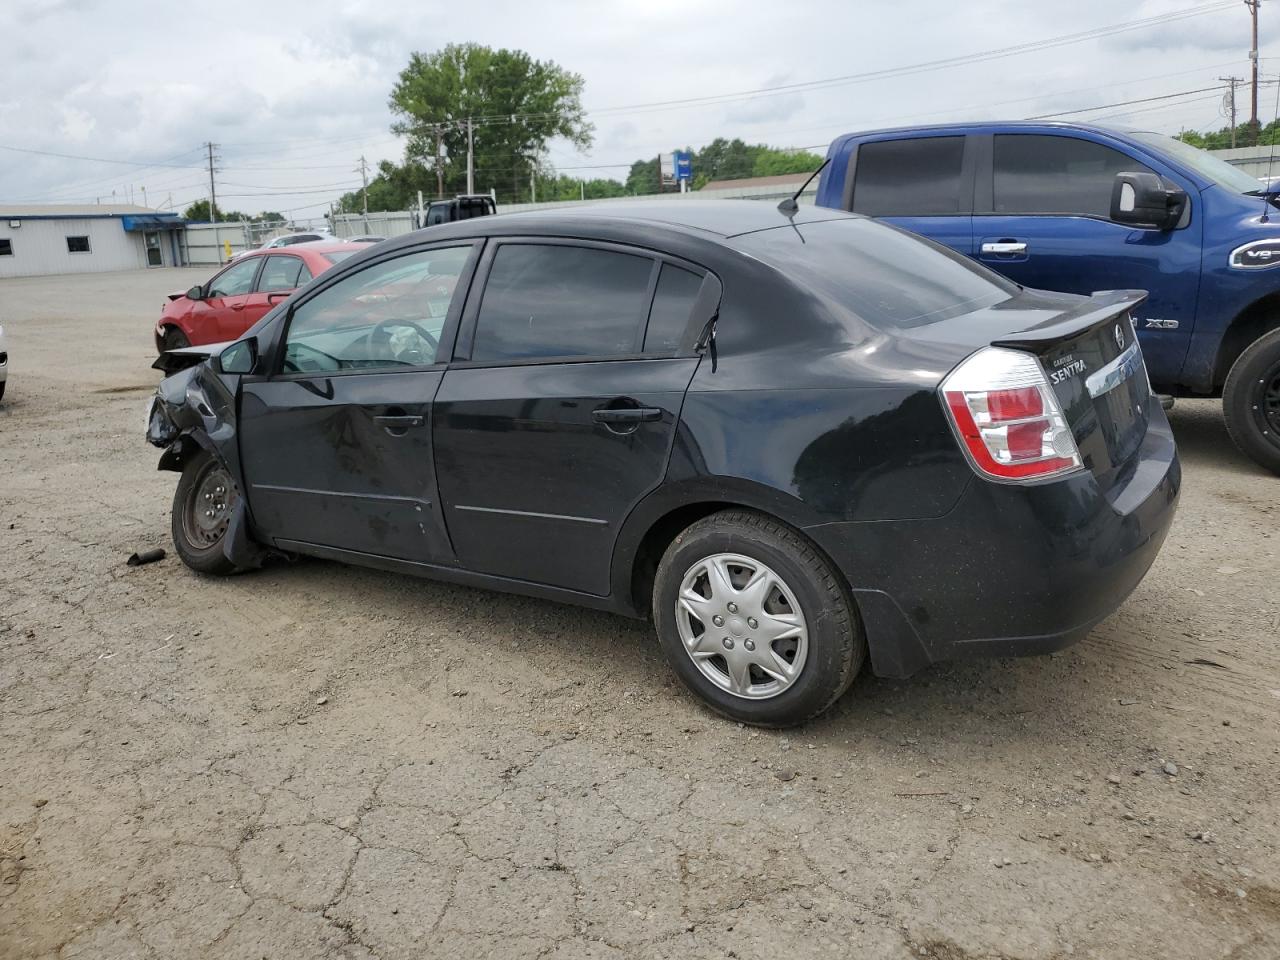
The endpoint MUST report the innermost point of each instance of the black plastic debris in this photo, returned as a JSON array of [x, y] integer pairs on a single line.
[[146, 556]]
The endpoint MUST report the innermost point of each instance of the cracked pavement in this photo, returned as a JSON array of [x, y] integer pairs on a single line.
[[315, 761]]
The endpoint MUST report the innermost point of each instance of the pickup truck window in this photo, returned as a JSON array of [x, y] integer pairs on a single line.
[[1037, 173], [909, 178]]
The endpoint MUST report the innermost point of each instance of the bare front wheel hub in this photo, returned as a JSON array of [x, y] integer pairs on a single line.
[[209, 510]]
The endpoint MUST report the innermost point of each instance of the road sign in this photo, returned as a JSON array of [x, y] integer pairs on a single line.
[[683, 162]]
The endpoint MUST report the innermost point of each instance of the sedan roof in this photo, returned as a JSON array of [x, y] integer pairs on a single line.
[[721, 217], [709, 219], [313, 246]]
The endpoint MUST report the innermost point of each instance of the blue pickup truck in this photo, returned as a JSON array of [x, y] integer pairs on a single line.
[[1080, 208]]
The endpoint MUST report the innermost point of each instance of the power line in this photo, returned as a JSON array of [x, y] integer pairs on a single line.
[[904, 70], [1122, 103]]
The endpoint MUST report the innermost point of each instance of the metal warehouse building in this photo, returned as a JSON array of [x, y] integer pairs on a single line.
[[43, 239]]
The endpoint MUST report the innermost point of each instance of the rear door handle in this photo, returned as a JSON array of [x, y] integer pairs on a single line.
[[1006, 247], [626, 414]]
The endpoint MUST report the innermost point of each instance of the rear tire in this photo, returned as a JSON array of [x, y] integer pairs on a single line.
[[203, 505], [1251, 401], [774, 654]]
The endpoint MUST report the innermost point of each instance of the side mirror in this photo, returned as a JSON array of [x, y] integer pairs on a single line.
[[241, 357], [196, 293], [1146, 200]]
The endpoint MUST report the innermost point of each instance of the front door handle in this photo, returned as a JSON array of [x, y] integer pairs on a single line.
[[626, 415], [398, 424], [1005, 247]]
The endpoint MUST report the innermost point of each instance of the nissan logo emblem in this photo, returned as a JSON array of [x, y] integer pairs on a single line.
[[1119, 337]]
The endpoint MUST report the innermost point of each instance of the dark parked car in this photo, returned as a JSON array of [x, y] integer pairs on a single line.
[[792, 441]]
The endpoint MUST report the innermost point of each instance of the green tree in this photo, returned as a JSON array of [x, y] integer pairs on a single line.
[[517, 104], [1247, 135], [552, 186], [393, 187], [200, 211]]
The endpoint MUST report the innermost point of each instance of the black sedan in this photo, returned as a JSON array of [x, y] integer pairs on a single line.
[[794, 440]]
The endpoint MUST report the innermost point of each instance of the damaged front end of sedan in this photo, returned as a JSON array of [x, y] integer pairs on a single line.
[[193, 411]]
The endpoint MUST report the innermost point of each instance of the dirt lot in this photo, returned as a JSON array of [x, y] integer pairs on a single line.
[[315, 761]]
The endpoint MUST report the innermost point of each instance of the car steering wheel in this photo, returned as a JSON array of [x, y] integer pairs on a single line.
[[380, 328]]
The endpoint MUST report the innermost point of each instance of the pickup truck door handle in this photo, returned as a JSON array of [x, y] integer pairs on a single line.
[[1006, 247], [626, 414]]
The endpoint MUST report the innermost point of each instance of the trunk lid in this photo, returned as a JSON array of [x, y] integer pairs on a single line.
[[1090, 354]]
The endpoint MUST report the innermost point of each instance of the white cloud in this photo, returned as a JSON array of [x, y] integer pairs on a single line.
[[294, 91]]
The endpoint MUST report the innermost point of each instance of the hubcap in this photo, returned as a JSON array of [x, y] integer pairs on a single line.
[[210, 506], [741, 626]]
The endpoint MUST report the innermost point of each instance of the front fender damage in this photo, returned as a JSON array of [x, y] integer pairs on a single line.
[[194, 410]]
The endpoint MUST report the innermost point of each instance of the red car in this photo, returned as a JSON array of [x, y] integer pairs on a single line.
[[238, 297]]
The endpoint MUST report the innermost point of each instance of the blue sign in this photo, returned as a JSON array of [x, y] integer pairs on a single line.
[[684, 165]]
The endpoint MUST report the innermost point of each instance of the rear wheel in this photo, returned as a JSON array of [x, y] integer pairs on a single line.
[[1251, 401], [203, 505], [755, 621]]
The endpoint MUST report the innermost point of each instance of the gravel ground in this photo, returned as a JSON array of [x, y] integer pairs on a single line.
[[314, 761]]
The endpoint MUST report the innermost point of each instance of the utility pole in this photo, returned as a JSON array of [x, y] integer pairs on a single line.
[[1253, 59], [439, 163], [1231, 104], [363, 170], [471, 164], [533, 187], [213, 193]]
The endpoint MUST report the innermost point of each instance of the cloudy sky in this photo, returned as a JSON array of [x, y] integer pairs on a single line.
[[294, 91]]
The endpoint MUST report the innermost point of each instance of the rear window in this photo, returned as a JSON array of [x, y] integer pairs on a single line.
[[341, 255], [888, 277]]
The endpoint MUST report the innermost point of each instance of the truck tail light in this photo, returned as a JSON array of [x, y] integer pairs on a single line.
[[1007, 417]]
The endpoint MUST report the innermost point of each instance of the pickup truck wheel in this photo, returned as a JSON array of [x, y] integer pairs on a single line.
[[1251, 401], [755, 621], [203, 505]]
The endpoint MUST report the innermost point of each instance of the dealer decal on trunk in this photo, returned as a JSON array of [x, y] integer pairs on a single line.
[[1066, 368]]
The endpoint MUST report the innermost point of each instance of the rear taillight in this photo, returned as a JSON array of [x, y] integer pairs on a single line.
[[1007, 417]]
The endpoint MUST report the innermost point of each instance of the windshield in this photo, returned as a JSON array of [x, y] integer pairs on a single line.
[[1202, 162]]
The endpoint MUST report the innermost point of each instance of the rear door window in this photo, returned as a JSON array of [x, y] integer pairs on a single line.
[[909, 178], [673, 302], [544, 300], [1046, 174], [279, 273]]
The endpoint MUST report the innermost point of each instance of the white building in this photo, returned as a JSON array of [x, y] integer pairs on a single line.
[[51, 238]]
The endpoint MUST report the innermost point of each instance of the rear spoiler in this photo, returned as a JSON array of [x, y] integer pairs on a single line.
[[171, 361], [1102, 306]]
